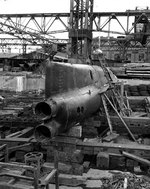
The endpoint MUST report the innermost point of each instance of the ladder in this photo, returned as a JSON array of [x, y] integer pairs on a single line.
[[107, 113]]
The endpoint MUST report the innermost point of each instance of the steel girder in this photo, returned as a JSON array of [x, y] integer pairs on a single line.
[[41, 28]]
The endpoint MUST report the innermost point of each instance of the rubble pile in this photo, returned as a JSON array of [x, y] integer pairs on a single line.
[[17, 110], [103, 179], [126, 180]]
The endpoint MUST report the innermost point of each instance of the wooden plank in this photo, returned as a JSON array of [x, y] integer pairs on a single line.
[[99, 145], [16, 139], [136, 158], [49, 176], [10, 186]]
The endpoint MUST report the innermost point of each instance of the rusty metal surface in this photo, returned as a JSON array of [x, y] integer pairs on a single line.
[[72, 94]]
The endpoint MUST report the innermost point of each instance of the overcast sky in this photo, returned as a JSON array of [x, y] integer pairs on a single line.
[[46, 6], [54, 6]]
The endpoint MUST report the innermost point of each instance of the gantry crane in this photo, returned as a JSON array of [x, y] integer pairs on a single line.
[[37, 28]]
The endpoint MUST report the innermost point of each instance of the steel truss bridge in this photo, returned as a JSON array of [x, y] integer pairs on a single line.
[[46, 29]]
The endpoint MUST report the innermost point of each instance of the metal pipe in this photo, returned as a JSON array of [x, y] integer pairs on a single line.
[[136, 158]]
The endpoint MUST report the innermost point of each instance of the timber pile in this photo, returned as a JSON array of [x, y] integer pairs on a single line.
[[138, 90], [132, 70]]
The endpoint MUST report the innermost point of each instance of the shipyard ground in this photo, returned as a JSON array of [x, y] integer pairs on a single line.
[[86, 157]]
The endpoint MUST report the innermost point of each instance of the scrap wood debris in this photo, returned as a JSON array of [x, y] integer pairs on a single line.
[[126, 180]]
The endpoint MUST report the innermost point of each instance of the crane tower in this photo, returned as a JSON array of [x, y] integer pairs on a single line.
[[80, 32]]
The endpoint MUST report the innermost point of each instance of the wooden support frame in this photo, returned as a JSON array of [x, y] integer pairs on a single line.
[[132, 136]]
